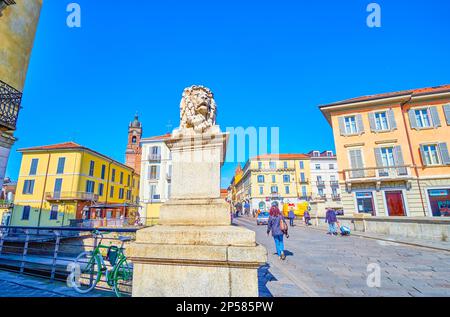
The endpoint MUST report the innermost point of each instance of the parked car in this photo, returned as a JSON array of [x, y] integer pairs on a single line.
[[263, 218]]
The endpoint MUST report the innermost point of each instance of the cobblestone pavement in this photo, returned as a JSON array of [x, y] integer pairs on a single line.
[[9, 289], [321, 265]]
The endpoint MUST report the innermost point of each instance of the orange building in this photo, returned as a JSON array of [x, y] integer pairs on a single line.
[[393, 152]]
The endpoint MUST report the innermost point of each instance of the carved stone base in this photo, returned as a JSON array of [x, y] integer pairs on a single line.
[[194, 261]]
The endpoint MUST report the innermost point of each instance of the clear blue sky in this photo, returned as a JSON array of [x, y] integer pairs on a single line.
[[269, 63]]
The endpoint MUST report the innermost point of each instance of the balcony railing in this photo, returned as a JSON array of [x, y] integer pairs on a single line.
[[154, 157], [378, 173], [304, 181], [10, 100], [336, 197], [51, 196], [320, 184], [334, 183]]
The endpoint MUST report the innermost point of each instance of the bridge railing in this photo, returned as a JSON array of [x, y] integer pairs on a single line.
[[46, 252]]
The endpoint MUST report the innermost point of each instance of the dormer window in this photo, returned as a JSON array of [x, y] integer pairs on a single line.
[[316, 153], [329, 153]]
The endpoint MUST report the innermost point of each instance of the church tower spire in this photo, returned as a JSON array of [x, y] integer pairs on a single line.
[[134, 151]]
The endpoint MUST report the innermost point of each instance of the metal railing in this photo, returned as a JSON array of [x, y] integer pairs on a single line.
[[46, 252], [10, 100], [154, 157], [109, 223], [334, 183], [71, 196], [378, 173]]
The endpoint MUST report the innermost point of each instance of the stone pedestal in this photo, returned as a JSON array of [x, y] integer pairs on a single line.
[[195, 251]]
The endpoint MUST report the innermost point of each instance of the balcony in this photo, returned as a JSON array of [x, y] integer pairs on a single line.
[[320, 184], [154, 158], [305, 197], [10, 100], [304, 181], [336, 197], [70, 196], [334, 184], [378, 175]]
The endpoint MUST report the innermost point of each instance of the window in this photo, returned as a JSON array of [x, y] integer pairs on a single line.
[[321, 192], [121, 178], [103, 171], [365, 203], [332, 178], [285, 165], [128, 194], [128, 180], [274, 179], [260, 165], [153, 193], [90, 186], [273, 165], [121, 193], [169, 190], [28, 187], [302, 165], [91, 168], [33, 167], [111, 192], [381, 121], [287, 190], [133, 140], [334, 192], [113, 175], [61, 164], [261, 190], [274, 189], [302, 177], [54, 212], [260, 178], [431, 155], [286, 178], [387, 156], [331, 166], [350, 125], [304, 193], [329, 153], [423, 118], [100, 189], [26, 213], [316, 153], [153, 172], [58, 187], [317, 166]]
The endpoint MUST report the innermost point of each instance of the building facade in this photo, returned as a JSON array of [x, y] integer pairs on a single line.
[[287, 180], [324, 176], [18, 24], [393, 152], [134, 150], [156, 178], [66, 184]]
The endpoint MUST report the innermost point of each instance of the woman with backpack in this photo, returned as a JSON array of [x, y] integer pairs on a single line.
[[278, 227]]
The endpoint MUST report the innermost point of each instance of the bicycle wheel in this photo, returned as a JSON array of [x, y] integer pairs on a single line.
[[122, 279], [87, 272]]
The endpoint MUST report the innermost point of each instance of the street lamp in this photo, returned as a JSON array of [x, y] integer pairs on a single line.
[[4, 4]]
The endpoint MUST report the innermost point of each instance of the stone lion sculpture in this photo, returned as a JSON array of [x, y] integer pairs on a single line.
[[198, 109]]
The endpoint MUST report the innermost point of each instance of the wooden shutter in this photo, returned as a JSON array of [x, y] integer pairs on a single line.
[[398, 158], [447, 113], [378, 157], [391, 119], [422, 153], [443, 149], [373, 126], [356, 162], [342, 126], [412, 119], [435, 117], [360, 124]]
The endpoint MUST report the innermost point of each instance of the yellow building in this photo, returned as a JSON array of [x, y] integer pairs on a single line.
[[66, 183], [275, 178], [393, 152]]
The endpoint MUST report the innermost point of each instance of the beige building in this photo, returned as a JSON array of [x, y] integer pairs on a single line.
[[393, 152], [18, 24]]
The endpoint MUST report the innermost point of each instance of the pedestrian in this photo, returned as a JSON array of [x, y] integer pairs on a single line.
[[291, 217], [307, 218], [278, 227], [331, 219]]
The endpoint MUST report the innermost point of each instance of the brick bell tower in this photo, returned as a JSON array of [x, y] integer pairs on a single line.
[[134, 151]]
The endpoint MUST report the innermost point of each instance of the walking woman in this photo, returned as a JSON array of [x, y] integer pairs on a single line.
[[277, 226]]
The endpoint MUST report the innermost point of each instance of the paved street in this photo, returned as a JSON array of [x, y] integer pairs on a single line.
[[322, 265]]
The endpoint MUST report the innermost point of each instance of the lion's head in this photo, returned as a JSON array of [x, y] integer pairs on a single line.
[[198, 109]]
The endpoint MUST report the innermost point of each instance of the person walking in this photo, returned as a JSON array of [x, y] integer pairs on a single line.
[[291, 216], [307, 217], [331, 219], [278, 227]]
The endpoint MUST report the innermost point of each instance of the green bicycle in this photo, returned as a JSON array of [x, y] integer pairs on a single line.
[[88, 268]]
